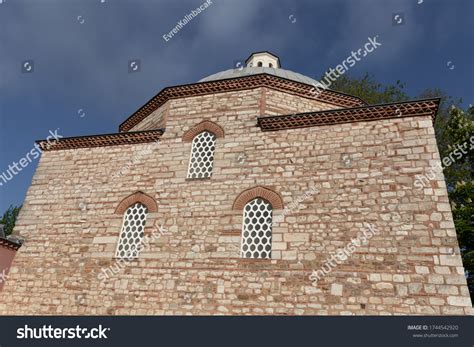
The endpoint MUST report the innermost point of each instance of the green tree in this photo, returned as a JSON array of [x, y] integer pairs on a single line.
[[459, 133], [444, 114], [453, 127], [9, 219], [369, 89]]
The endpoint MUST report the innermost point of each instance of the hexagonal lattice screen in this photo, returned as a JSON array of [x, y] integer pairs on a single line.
[[132, 232], [202, 155], [257, 229]]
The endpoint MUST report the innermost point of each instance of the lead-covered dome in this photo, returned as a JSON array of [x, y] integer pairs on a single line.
[[258, 63]]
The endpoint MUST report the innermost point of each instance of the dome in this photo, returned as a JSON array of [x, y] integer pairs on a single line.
[[258, 63], [248, 71]]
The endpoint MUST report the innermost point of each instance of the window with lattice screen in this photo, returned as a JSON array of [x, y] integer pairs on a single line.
[[133, 230], [202, 155], [257, 229]]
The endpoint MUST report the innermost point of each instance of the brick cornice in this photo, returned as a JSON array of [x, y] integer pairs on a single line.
[[427, 107], [140, 197], [212, 127], [240, 83], [5, 243], [101, 140], [258, 192]]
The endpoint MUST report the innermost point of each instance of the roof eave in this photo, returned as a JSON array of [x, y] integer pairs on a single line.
[[123, 128], [9, 244], [363, 116], [101, 140]]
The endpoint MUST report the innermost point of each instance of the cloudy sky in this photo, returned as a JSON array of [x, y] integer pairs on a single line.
[[79, 51]]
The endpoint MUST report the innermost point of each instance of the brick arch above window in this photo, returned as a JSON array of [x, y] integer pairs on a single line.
[[140, 197], [212, 127], [258, 192]]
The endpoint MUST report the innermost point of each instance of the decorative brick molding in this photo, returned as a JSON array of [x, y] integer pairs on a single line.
[[103, 140], [212, 127], [140, 197], [10, 244], [258, 192], [240, 83], [263, 101], [427, 107]]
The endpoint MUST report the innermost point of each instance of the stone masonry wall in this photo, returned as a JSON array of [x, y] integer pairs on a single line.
[[268, 101], [364, 173]]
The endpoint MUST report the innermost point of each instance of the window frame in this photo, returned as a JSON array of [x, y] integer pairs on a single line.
[[124, 238], [245, 229], [199, 156]]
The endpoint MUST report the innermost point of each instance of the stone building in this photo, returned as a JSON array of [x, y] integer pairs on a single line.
[[249, 192]]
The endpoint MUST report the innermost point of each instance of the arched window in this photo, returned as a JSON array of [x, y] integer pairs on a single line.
[[259, 64], [202, 155], [270, 65], [257, 229], [133, 230]]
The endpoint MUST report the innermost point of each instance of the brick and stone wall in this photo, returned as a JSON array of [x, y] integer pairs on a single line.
[[364, 173]]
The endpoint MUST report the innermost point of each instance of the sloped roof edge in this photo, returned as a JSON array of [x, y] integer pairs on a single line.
[[239, 83], [102, 140], [412, 108]]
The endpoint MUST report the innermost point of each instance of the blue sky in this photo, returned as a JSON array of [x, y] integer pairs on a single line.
[[81, 85]]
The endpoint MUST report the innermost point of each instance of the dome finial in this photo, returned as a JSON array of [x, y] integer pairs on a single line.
[[263, 59]]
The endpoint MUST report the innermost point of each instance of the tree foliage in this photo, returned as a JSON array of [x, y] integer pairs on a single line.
[[459, 133], [370, 90], [9, 219]]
